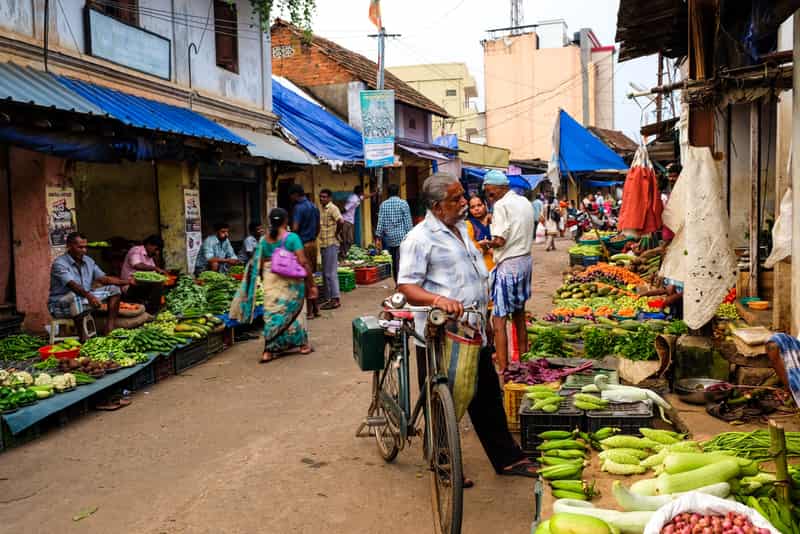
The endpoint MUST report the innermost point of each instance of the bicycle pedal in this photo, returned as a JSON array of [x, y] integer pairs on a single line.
[[377, 420]]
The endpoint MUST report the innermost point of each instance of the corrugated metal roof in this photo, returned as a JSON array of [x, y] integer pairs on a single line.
[[149, 114], [27, 85], [273, 147]]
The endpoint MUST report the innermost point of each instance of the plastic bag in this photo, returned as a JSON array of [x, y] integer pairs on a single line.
[[782, 232], [701, 503], [460, 364]]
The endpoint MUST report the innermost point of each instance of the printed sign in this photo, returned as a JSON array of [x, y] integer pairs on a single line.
[[194, 237], [61, 218], [377, 119]]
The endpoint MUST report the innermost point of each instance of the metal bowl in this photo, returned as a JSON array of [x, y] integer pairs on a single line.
[[693, 390]]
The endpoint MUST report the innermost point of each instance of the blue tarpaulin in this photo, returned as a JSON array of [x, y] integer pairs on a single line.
[[318, 131], [516, 181], [151, 115], [601, 183], [579, 150]]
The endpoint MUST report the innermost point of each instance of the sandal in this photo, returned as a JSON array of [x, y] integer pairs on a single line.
[[330, 305], [520, 469], [467, 483], [113, 403], [306, 350], [267, 360]]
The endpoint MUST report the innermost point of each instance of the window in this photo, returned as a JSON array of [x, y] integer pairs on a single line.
[[226, 36], [412, 124], [123, 10], [450, 92]]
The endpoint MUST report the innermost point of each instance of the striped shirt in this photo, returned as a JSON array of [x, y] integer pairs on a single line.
[[394, 222]]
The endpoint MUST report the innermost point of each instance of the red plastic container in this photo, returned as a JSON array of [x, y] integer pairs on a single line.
[[45, 353], [366, 275]]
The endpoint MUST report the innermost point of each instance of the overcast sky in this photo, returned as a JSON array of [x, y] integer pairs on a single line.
[[442, 31]]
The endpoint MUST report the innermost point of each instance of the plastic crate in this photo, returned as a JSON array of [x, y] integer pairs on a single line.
[[590, 260], [512, 399], [384, 271], [215, 342], [575, 259], [10, 327], [532, 423], [629, 417], [366, 275], [164, 366], [142, 378], [9, 441], [589, 242], [190, 356], [578, 380]]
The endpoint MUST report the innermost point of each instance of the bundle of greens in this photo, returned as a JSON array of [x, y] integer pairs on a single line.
[[598, 342], [638, 345], [186, 297]]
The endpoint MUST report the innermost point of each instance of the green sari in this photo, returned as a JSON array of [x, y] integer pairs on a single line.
[[283, 302]]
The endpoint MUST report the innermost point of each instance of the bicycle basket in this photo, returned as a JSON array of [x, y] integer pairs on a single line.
[[460, 364]]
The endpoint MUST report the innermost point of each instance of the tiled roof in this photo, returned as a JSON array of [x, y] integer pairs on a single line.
[[616, 140], [366, 70]]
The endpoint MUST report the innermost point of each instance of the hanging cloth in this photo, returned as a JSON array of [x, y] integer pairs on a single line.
[[641, 200]]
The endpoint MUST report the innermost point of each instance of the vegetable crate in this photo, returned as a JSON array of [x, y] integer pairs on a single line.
[[575, 259], [215, 342], [142, 378], [384, 271], [347, 282], [532, 423], [366, 275], [164, 366], [578, 380], [190, 355], [590, 260], [512, 399], [9, 441], [629, 417], [10, 327]]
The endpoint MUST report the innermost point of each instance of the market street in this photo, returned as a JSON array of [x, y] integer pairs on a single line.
[[233, 446]]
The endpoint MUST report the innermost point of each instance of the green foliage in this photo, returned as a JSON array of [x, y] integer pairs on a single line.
[[638, 345], [598, 342], [299, 12]]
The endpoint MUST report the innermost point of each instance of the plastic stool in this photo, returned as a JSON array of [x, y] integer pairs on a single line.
[[55, 329], [82, 325]]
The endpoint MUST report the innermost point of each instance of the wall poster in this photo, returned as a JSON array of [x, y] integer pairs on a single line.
[[61, 219], [194, 237]]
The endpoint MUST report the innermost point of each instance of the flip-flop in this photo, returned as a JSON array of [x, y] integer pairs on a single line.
[[330, 305], [306, 351], [114, 403], [520, 469], [467, 483], [271, 359]]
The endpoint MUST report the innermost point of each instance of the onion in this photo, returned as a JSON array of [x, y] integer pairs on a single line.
[[737, 521], [727, 524], [669, 529], [694, 519]]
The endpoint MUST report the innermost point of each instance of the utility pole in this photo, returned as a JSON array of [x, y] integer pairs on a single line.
[[381, 35], [659, 97], [517, 17]]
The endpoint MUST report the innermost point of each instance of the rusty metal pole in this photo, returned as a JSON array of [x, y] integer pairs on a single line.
[[659, 96]]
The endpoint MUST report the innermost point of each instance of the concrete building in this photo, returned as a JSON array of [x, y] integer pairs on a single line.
[[536, 70], [451, 86], [205, 59]]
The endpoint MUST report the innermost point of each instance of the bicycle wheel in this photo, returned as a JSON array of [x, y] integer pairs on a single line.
[[447, 482], [387, 388]]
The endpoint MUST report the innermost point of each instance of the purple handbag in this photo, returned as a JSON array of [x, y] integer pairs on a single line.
[[285, 263]]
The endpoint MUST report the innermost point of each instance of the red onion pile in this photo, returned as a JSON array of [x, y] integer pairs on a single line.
[[731, 523]]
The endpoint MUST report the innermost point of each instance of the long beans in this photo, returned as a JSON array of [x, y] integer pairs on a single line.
[[20, 347], [754, 445]]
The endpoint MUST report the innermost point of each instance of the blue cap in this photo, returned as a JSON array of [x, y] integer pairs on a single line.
[[495, 177]]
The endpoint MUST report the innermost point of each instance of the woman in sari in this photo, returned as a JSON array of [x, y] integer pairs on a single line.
[[283, 296], [478, 229]]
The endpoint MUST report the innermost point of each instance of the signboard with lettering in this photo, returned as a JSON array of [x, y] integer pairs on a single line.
[[377, 120], [129, 46]]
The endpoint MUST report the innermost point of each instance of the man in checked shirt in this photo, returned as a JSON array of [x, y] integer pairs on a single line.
[[394, 223]]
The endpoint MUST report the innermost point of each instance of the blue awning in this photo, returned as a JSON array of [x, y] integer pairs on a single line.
[[27, 85], [534, 179], [579, 150], [318, 131], [602, 183], [151, 115]]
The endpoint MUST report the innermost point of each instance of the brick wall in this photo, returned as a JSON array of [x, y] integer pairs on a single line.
[[306, 65]]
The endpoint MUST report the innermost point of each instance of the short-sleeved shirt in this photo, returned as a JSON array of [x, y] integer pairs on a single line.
[[136, 255], [214, 248], [350, 207], [328, 219], [291, 241], [394, 222], [512, 220], [248, 247], [432, 257], [306, 215], [538, 205], [65, 269]]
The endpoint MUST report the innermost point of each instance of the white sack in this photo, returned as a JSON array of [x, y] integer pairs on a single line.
[[700, 255], [701, 503], [782, 232]]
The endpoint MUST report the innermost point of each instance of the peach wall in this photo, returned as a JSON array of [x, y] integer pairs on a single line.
[[30, 173]]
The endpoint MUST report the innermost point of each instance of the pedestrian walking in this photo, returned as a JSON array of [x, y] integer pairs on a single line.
[[394, 223], [512, 239], [538, 206], [330, 224], [349, 220], [305, 223], [552, 218], [284, 331], [440, 267]]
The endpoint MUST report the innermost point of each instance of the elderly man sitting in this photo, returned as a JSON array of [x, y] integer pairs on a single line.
[[71, 279], [512, 238], [440, 267]]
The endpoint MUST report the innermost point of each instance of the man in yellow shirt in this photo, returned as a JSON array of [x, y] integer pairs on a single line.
[[330, 234]]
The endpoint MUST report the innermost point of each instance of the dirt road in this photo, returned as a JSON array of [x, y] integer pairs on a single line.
[[235, 447]]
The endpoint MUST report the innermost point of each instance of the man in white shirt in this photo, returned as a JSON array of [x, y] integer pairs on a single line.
[[349, 220], [512, 239]]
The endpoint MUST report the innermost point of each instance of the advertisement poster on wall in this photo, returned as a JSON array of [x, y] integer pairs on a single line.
[[377, 119], [194, 237], [61, 219]]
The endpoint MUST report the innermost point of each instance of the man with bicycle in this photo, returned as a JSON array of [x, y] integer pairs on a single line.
[[441, 268]]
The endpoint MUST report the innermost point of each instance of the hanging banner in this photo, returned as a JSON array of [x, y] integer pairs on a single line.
[[61, 218], [194, 237], [377, 119]]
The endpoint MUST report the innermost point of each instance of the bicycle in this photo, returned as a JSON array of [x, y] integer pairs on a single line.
[[392, 421]]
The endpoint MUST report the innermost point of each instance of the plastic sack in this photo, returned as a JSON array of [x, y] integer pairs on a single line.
[[701, 503], [782, 232], [460, 365], [641, 207]]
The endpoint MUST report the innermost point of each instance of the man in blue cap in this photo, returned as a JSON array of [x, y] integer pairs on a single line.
[[510, 281]]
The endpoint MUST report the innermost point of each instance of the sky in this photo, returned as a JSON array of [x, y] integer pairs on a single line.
[[443, 31]]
